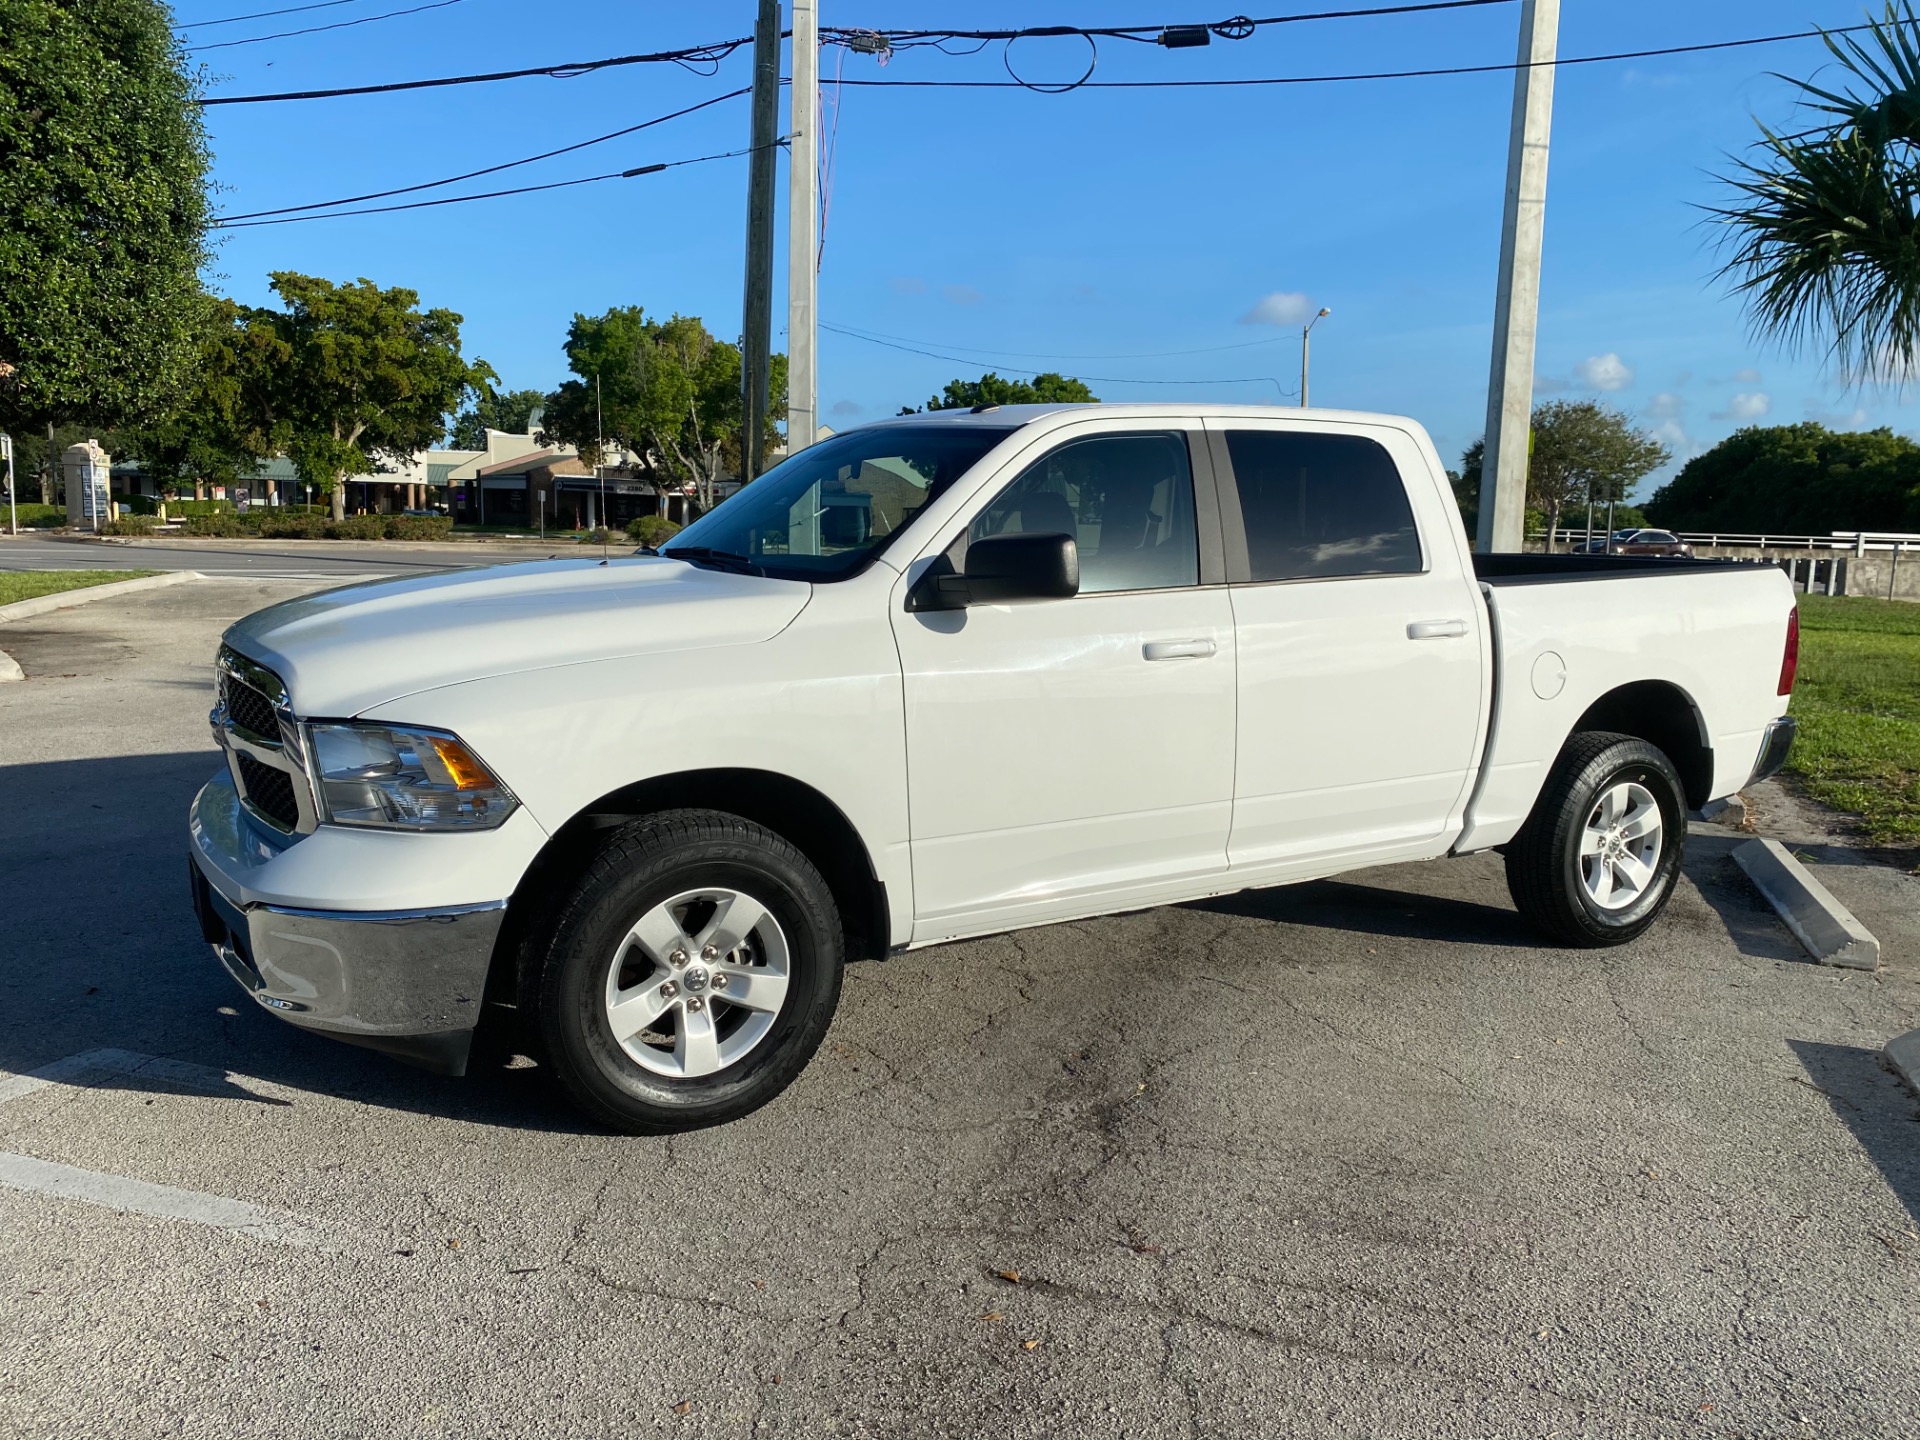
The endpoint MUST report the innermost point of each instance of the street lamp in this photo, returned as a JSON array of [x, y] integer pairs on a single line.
[[1306, 336]]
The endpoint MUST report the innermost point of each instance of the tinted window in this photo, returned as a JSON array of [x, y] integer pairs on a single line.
[[825, 513], [1127, 500], [1319, 506]]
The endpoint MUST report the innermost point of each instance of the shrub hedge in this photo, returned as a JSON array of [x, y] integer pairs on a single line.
[[651, 530]]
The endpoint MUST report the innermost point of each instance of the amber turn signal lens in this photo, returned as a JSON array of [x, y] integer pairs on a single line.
[[467, 772]]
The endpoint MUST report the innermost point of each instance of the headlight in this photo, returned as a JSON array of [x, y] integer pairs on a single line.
[[396, 778]]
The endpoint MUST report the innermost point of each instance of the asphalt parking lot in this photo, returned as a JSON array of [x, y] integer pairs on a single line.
[[1351, 1159]]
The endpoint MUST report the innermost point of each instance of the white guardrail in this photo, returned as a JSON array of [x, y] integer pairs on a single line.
[[1852, 542]]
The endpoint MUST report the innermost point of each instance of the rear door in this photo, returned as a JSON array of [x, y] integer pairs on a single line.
[[1361, 677], [1065, 755]]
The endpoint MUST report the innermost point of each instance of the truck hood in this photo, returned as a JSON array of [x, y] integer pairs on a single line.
[[344, 651]]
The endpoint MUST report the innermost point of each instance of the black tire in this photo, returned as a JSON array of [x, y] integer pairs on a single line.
[[1544, 869], [638, 867]]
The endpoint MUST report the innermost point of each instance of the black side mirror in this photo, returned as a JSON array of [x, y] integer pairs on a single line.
[[1003, 568]]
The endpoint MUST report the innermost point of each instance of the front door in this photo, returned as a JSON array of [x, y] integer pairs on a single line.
[[1061, 753]]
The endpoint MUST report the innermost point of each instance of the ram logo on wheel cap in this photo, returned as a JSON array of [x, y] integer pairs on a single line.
[[695, 979]]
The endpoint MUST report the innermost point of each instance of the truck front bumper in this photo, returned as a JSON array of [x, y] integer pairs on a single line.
[[406, 982]]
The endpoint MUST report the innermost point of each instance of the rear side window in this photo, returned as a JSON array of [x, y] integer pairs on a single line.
[[1318, 507]]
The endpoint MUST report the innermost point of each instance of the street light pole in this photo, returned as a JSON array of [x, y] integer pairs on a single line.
[[803, 220], [1306, 340]]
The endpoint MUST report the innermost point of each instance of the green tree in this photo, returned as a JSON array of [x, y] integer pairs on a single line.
[[666, 390], [1050, 388], [1582, 453], [367, 376], [103, 213], [227, 424], [1823, 229], [507, 410], [1796, 480]]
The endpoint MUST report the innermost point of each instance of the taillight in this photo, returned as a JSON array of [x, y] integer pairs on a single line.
[[1790, 661]]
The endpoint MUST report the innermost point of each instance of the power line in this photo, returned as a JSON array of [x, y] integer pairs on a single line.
[[689, 55], [490, 169], [1238, 28], [1102, 379], [1561, 62], [653, 169], [264, 14], [878, 336], [317, 29]]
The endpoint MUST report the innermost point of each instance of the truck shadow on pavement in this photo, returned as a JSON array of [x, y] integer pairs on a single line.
[[1877, 1108], [1355, 906], [100, 951]]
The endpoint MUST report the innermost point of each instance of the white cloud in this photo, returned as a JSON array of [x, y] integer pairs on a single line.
[[1673, 435], [1666, 406], [846, 407], [1746, 377], [1858, 419], [1282, 307], [1745, 408], [961, 294], [1605, 373]]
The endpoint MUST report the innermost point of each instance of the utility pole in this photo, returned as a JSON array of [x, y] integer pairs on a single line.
[[757, 308], [1516, 315], [803, 229], [1306, 339]]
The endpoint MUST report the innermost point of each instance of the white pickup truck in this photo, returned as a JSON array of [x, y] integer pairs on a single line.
[[943, 676]]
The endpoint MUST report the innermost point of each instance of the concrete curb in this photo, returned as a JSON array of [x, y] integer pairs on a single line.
[[65, 599], [87, 594], [1904, 1053], [1824, 927]]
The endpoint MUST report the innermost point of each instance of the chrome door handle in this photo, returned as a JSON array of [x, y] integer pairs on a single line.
[[1436, 629], [1178, 649]]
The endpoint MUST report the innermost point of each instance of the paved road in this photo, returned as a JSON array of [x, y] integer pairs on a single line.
[[268, 560], [1350, 1160]]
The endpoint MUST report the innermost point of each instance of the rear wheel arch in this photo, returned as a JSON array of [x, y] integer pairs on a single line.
[[1666, 717], [795, 811]]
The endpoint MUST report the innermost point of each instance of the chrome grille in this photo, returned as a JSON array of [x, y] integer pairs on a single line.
[[270, 792], [248, 709], [265, 750]]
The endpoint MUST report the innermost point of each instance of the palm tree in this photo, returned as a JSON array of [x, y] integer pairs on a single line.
[[1823, 235]]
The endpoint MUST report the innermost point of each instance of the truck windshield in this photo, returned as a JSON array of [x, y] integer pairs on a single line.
[[826, 512]]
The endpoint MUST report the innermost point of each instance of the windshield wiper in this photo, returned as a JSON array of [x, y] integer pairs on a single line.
[[719, 559]]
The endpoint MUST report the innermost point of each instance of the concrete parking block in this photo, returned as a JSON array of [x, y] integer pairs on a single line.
[[1904, 1052], [1824, 927]]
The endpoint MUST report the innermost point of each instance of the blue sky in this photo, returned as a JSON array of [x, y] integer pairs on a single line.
[[1013, 227]]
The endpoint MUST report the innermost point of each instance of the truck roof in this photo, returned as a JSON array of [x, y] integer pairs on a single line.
[[1002, 415]]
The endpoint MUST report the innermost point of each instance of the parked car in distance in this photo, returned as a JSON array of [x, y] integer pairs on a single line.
[[943, 676], [1653, 542]]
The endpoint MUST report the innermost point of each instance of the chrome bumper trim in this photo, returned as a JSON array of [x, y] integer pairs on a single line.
[[407, 982], [1775, 746]]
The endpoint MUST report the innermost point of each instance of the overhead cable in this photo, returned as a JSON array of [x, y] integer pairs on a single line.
[[653, 169], [264, 14], [876, 42], [316, 29], [1494, 69], [491, 169], [689, 55]]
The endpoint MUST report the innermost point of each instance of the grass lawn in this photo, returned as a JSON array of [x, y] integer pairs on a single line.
[[27, 584], [1858, 700]]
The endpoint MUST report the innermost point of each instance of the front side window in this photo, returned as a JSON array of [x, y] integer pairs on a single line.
[[1319, 507], [825, 513], [1127, 501]]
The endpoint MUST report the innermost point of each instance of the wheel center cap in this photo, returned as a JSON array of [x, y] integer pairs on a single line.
[[695, 979]]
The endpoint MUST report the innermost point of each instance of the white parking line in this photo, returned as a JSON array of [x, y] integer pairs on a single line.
[[141, 1197]]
